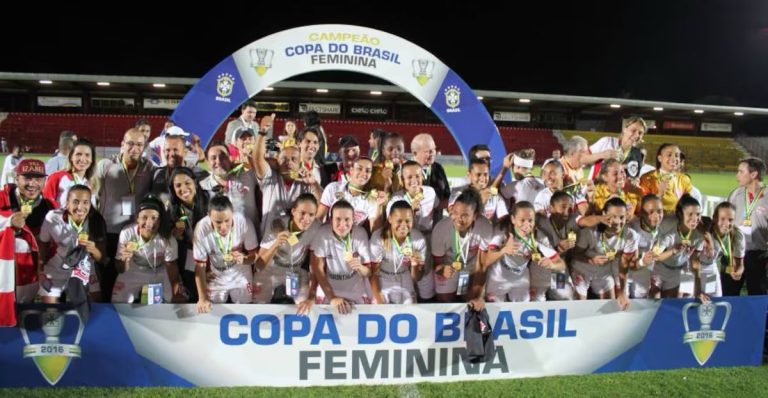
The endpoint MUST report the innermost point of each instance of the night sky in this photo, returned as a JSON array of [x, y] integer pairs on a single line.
[[710, 52]]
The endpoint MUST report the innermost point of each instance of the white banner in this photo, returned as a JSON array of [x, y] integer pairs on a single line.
[[64, 102], [512, 116], [270, 345], [161, 103], [717, 127], [333, 109]]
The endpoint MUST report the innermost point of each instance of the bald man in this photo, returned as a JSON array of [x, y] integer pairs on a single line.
[[424, 152], [124, 180]]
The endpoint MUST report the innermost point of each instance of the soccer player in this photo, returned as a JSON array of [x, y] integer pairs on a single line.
[[493, 207], [721, 273]]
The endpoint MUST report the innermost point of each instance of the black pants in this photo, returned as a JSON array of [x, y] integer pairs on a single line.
[[108, 271], [754, 275]]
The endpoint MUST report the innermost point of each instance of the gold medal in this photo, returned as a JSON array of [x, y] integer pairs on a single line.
[[373, 194], [228, 257], [610, 254], [494, 190], [348, 256], [657, 250], [457, 266], [132, 246], [295, 174], [250, 147], [407, 251], [572, 236], [292, 240], [686, 242], [419, 196], [180, 224], [728, 269], [536, 257], [746, 222], [26, 209], [82, 237], [389, 164]]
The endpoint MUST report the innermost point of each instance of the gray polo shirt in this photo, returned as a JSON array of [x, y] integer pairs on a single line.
[[755, 235], [115, 186]]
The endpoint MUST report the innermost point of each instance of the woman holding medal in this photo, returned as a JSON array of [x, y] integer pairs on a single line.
[[522, 261], [367, 205], [665, 181], [225, 248], [613, 183], [340, 260], [424, 201], [81, 165], [78, 224], [283, 254], [386, 169], [189, 204], [459, 245], [601, 251], [398, 252], [146, 255], [646, 225], [682, 246], [721, 273]]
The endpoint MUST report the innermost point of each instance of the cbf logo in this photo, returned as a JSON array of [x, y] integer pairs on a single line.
[[51, 356], [261, 60], [225, 83], [422, 70], [452, 99], [704, 340]]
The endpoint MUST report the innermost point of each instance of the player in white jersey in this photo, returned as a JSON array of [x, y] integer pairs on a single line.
[[638, 276], [225, 248], [424, 201], [516, 249], [147, 255], [728, 246], [459, 244], [282, 183], [398, 252], [367, 205], [493, 207], [341, 259], [77, 225], [283, 272], [682, 245], [598, 249], [552, 175], [524, 185]]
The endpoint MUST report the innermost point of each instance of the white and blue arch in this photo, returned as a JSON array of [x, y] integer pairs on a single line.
[[315, 48]]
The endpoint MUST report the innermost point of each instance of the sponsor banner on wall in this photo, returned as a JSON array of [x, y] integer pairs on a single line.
[[512, 116], [717, 127], [161, 103], [62, 102], [367, 110], [329, 109], [679, 125], [263, 106], [270, 345]]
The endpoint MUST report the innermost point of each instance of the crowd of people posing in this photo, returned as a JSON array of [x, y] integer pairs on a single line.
[[283, 226]]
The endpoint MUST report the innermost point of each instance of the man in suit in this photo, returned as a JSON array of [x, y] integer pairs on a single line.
[[247, 120]]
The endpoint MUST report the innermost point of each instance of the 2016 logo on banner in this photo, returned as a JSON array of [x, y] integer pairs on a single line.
[[51, 357], [704, 340]]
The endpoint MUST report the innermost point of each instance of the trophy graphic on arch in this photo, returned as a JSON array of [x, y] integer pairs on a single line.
[[422, 70], [704, 341], [261, 59], [52, 357]]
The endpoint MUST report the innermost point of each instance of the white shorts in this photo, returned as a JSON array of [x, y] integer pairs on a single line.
[[597, 277], [397, 289], [639, 282], [58, 278], [129, 284], [668, 278], [351, 287], [235, 282], [506, 285], [709, 278], [273, 276], [687, 282]]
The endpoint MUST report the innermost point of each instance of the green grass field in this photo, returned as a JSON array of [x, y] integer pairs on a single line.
[[710, 382]]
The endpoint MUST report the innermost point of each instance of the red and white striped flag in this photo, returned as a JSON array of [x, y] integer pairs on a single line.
[[7, 272]]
